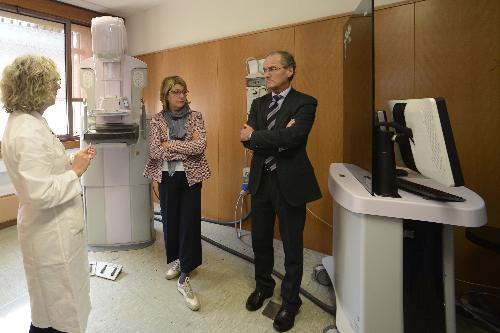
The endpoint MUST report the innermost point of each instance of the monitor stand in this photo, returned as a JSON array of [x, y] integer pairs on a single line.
[[374, 239]]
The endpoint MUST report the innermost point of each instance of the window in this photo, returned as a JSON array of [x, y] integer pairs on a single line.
[[21, 34], [81, 49]]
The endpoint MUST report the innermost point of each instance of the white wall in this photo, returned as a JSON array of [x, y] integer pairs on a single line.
[[180, 22]]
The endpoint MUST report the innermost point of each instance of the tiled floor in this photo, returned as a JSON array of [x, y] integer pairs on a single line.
[[141, 300]]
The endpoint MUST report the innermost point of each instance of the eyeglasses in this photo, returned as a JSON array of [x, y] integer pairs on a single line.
[[57, 83], [179, 92], [271, 69]]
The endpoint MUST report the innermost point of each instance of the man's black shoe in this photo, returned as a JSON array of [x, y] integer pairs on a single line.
[[256, 299], [284, 320]]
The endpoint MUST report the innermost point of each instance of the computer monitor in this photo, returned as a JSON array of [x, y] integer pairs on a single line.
[[370, 146], [358, 89], [431, 151]]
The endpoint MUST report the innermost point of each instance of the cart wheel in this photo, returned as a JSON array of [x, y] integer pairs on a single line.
[[321, 275]]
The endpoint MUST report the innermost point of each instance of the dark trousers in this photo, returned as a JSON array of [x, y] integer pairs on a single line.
[[34, 329], [181, 214], [266, 204]]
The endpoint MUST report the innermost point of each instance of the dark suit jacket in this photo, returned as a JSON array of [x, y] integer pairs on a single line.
[[295, 173]]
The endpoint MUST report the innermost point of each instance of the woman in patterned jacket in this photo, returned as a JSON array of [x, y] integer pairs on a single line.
[[177, 161]]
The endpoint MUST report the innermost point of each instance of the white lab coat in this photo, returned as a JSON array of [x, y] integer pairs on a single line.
[[50, 223]]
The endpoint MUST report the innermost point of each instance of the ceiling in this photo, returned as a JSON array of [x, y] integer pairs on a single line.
[[116, 7]]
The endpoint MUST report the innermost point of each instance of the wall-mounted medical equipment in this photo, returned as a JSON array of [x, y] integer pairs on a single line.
[[117, 198], [255, 81]]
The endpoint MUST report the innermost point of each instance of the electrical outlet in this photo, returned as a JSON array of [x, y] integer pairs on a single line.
[[246, 172]]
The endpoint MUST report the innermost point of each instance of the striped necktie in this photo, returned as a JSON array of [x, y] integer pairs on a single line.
[[270, 161]]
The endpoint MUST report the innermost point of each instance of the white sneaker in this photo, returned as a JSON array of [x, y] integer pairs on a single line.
[[173, 271], [189, 296]]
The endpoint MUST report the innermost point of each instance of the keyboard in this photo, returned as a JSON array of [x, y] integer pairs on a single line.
[[426, 192]]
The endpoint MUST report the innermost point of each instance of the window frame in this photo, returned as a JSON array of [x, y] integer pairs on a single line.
[[68, 59]]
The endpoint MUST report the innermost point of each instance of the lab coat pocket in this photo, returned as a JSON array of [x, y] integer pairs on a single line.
[[46, 248], [72, 229], [73, 215]]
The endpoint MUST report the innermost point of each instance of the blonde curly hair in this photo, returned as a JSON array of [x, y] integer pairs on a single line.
[[167, 84], [27, 84]]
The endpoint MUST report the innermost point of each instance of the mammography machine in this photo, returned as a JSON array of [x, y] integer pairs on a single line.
[[117, 198]]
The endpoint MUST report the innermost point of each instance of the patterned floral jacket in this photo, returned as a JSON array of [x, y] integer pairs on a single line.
[[190, 152]]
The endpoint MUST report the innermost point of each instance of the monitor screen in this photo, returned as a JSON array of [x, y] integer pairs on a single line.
[[431, 151], [358, 88]]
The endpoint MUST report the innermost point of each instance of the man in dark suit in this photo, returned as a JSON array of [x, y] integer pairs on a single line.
[[281, 182]]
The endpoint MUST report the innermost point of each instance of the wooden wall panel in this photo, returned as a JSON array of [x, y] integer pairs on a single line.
[[321, 77], [438, 61], [151, 93], [457, 56], [197, 65], [231, 97], [8, 209]]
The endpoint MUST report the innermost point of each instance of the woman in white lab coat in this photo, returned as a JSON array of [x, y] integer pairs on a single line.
[[50, 217]]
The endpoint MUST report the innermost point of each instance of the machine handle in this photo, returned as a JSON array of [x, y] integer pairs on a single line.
[[143, 119]]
